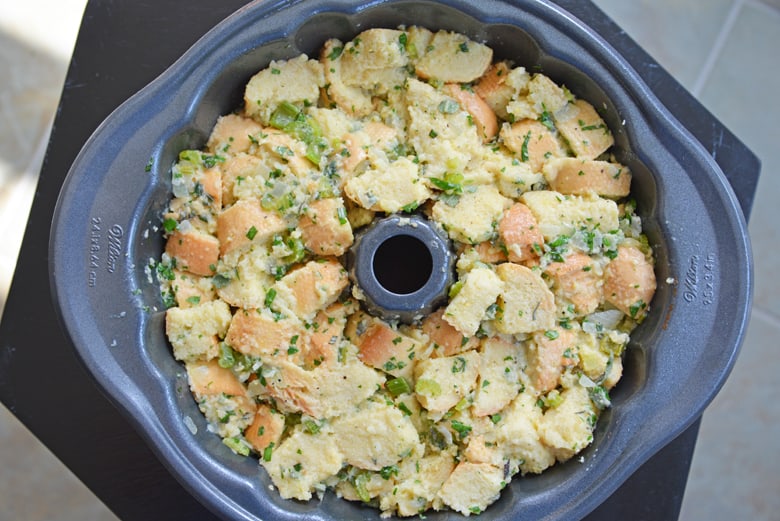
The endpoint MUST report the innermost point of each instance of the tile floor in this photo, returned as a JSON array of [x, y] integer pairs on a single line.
[[723, 51]]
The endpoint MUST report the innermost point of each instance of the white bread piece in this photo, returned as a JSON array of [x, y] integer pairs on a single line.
[[472, 220], [531, 142], [312, 287], [258, 333], [559, 214], [247, 289], [453, 58], [568, 428], [525, 303], [466, 310], [323, 392], [517, 437], [317, 457], [389, 189], [266, 428], [375, 61], [439, 130], [472, 487], [231, 134], [194, 332], [440, 383], [423, 480], [499, 382], [354, 100], [375, 435], [324, 227], [297, 80]]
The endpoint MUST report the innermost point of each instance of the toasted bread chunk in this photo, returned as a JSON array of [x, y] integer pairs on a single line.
[[231, 134], [573, 176], [323, 392], [382, 347], [444, 337], [559, 214], [266, 428], [453, 58], [568, 428], [584, 130], [209, 378], [440, 383], [629, 282], [246, 223], [195, 251], [312, 287], [481, 113], [467, 309], [258, 333], [525, 303], [324, 227], [578, 280], [519, 232], [546, 356], [353, 100], [531, 141], [376, 435]]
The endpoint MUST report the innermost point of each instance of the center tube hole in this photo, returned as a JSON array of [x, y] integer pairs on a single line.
[[402, 264]]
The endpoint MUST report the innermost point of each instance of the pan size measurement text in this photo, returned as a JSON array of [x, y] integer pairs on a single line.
[[104, 250]]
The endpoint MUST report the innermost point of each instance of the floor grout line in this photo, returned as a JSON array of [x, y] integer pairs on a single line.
[[717, 47]]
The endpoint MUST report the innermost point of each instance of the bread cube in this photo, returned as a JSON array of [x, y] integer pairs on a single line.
[[453, 58], [231, 134], [297, 81], [324, 227], [467, 309], [568, 428], [194, 332], [559, 214], [629, 282], [472, 487], [440, 383], [311, 287], [445, 339], [259, 333], [302, 461], [585, 132], [389, 189], [474, 217], [499, 376], [525, 303], [531, 142], [246, 223], [194, 251], [573, 176], [376, 435]]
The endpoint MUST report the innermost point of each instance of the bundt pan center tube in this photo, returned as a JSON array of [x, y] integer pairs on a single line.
[[404, 266], [105, 231]]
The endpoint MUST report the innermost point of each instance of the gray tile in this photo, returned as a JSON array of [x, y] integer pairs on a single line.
[[735, 467], [35, 485], [742, 91], [679, 34]]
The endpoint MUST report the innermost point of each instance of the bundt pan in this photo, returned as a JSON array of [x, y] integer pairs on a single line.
[[105, 232]]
